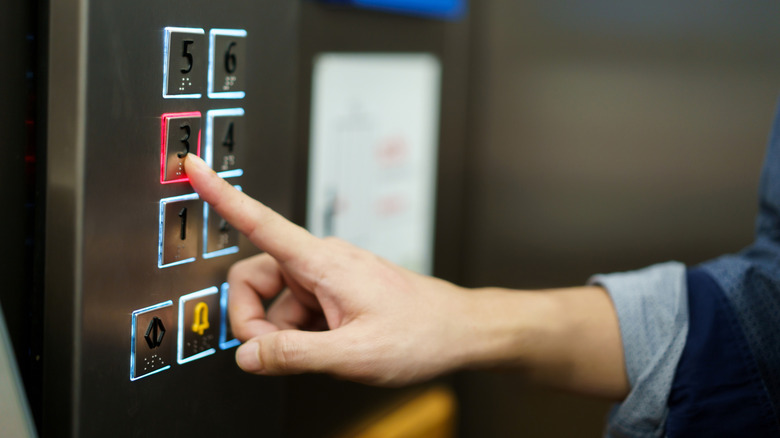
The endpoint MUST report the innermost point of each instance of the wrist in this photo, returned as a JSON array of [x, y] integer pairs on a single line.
[[506, 328]]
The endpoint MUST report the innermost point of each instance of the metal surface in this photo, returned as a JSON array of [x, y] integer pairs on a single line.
[[105, 108]]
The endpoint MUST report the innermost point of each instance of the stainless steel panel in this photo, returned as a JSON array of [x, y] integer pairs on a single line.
[[106, 105]]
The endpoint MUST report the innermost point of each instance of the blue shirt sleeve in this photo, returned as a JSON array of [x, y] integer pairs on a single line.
[[652, 309]]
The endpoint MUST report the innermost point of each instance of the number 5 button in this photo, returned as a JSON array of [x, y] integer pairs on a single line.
[[184, 62], [180, 136], [226, 63]]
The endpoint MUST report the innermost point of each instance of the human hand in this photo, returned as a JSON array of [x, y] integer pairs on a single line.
[[378, 323]]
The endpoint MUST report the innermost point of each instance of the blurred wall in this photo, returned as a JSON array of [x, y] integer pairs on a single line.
[[607, 136]]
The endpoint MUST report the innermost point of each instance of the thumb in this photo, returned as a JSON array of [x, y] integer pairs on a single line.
[[289, 352]]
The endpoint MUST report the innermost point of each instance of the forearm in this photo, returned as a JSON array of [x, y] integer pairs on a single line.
[[565, 338]]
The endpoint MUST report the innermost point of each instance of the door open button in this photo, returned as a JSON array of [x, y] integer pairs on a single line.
[[151, 347]]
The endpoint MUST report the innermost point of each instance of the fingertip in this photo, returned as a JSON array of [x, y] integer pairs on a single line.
[[193, 160], [196, 169]]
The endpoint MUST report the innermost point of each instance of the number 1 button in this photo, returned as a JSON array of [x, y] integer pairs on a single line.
[[184, 62]]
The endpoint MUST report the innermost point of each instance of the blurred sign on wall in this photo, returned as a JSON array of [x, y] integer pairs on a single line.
[[373, 150]]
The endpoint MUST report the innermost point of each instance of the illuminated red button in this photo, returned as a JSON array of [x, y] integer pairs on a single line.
[[180, 136]]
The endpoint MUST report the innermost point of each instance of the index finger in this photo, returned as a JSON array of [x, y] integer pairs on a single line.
[[265, 228]]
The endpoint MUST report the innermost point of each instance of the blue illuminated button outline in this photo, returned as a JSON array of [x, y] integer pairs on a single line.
[[225, 343], [166, 51], [134, 329], [183, 299], [446, 9], [161, 244], [224, 251], [241, 33], [209, 153]]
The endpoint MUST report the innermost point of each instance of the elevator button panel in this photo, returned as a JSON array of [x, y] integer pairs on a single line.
[[180, 136], [200, 318], [225, 141], [196, 65], [181, 219], [151, 347], [185, 62], [227, 57], [219, 237]]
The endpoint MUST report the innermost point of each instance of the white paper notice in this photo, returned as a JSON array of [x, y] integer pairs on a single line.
[[373, 149]]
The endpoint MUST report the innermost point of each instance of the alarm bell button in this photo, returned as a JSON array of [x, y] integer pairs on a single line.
[[199, 323]]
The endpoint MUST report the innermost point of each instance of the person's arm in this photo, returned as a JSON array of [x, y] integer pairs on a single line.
[[346, 312]]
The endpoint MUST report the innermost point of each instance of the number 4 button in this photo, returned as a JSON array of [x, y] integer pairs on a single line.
[[225, 141], [184, 62], [226, 63]]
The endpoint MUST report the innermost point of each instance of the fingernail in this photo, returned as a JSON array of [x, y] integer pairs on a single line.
[[248, 358]]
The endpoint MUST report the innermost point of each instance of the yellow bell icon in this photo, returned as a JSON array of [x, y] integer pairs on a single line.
[[200, 321]]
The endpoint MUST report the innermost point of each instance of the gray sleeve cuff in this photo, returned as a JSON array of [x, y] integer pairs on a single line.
[[652, 308]]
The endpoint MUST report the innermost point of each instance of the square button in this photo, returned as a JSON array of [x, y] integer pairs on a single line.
[[226, 338], [227, 56], [180, 135], [225, 141], [199, 324], [152, 340], [219, 237], [184, 62], [181, 220]]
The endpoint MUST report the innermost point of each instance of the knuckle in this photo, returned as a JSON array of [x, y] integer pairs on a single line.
[[238, 270], [285, 352]]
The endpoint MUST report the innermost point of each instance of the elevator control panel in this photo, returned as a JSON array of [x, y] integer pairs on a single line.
[[138, 339]]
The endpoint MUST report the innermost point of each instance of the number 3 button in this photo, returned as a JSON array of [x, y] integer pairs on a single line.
[[180, 136], [184, 62], [226, 63]]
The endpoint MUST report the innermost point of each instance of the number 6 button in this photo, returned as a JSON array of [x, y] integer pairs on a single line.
[[180, 136], [226, 63], [184, 62]]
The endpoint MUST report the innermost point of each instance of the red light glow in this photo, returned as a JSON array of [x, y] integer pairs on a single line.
[[164, 147]]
